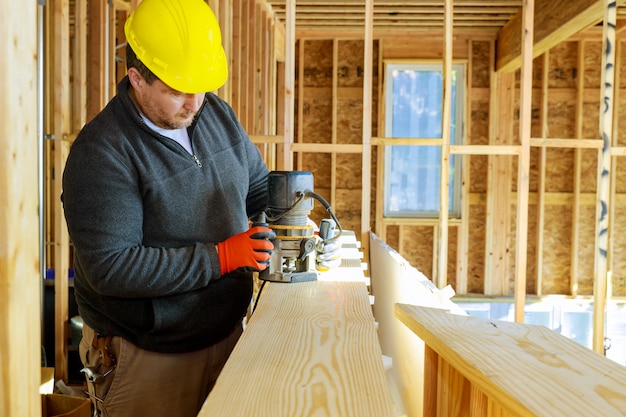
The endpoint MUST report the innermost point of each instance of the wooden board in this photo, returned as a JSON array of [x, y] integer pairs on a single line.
[[309, 349], [529, 370]]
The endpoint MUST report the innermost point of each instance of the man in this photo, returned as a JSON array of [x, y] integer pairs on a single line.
[[157, 192]]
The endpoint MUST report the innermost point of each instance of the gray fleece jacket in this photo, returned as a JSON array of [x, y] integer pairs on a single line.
[[144, 215]]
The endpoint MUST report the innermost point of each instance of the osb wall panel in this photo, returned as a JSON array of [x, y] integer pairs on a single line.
[[349, 117], [476, 250], [393, 239], [593, 65], [417, 247], [452, 255], [563, 66], [318, 63], [349, 171], [618, 262], [317, 115], [350, 63], [586, 245], [559, 170], [621, 116], [531, 252], [317, 110], [481, 70], [478, 135], [557, 253], [588, 170]]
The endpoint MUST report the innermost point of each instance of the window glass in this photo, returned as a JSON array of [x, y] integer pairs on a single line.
[[414, 97]]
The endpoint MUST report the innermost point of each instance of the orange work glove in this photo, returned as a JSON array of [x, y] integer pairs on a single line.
[[251, 248]]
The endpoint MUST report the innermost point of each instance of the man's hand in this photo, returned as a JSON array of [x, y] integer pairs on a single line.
[[327, 252], [251, 248], [327, 255]]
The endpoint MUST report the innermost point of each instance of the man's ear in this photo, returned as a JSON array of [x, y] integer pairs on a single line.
[[135, 78]]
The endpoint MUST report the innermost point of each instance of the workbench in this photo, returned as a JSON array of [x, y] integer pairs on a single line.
[[309, 349]]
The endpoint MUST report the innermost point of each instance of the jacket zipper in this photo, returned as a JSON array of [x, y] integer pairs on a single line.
[[195, 158]]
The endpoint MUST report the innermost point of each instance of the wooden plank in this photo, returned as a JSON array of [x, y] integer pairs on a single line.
[[326, 148], [523, 164], [580, 85], [613, 228], [235, 63], [394, 280], [431, 368], [310, 346], [252, 88], [444, 200], [20, 279], [462, 262], [604, 172], [244, 62], [555, 21], [97, 58], [224, 15], [333, 129], [286, 163], [79, 68], [61, 103], [541, 186], [498, 216], [301, 90], [548, 367], [366, 160]]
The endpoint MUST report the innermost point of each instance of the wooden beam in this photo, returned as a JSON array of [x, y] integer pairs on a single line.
[[555, 21], [97, 66], [366, 160], [61, 116], [290, 48], [580, 117], [543, 156], [20, 280], [523, 164], [498, 216], [335, 106], [444, 201], [604, 173]]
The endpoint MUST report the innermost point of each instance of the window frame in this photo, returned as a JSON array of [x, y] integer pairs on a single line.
[[459, 133]]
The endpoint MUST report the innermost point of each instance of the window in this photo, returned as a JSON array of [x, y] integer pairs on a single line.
[[413, 109]]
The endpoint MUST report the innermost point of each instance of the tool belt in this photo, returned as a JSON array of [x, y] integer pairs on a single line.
[[97, 371]]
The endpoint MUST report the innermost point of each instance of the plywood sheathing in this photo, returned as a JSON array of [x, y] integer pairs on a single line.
[[330, 77]]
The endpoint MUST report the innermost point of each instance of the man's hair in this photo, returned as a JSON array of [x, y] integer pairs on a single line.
[[133, 61]]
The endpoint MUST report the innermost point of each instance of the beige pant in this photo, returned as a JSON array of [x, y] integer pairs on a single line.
[[146, 383]]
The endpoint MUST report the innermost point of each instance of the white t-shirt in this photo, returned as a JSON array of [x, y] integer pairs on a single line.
[[179, 135]]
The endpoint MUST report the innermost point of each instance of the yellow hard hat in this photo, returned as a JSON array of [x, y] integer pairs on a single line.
[[180, 42]]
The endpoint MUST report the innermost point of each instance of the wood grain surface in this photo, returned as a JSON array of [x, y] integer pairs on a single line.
[[310, 349], [523, 369]]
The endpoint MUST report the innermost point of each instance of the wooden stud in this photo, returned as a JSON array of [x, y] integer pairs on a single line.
[[604, 172], [97, 94], [444, 203], [235, 63], [334, 105], [20, 280], [61, 117], [244, 59], [580, 85], [366, 176], [541, 191], [462, 240], [290, 41], [524, 159], [301, 90], [498, 215]]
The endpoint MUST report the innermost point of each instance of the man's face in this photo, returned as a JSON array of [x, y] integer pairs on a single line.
[[164, 106]]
